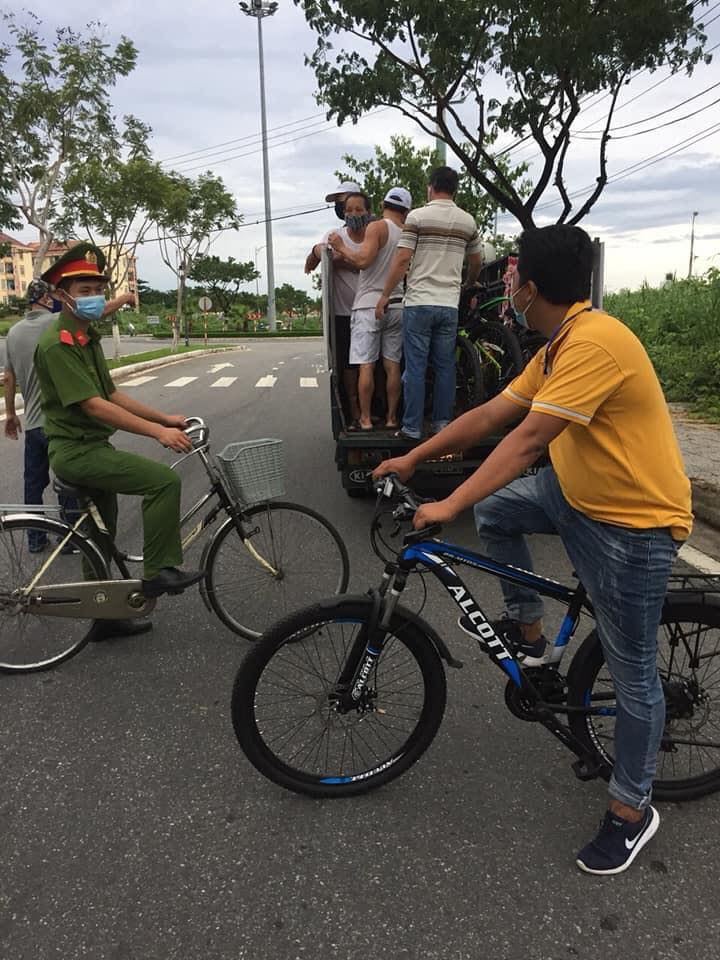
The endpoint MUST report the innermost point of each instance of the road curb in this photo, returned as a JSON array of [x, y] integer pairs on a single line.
[[132, 368], [706, 502]]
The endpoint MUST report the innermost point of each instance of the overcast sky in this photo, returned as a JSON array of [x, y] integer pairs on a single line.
[[196, 84]]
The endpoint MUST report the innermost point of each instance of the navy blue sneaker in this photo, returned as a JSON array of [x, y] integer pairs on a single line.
[[618, 843], [529, 654]]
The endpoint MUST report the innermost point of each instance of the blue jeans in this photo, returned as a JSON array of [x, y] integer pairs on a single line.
[[37, 478], [428, 332], [625, 572]]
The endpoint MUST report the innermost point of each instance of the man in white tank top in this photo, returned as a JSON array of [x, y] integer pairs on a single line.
[[371, 337]]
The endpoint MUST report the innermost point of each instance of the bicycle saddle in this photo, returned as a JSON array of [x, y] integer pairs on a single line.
[[67, 489]]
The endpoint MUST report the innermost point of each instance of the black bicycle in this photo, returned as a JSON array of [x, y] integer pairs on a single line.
[[345, 695], [265, 556]]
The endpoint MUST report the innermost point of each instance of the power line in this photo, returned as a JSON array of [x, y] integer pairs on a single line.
[[660, 126], [253, 136]]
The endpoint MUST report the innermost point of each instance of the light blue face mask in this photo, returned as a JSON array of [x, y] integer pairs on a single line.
[[89, 308], [520, 315]]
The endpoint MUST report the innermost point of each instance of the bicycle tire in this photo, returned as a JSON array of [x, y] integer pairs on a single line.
[[293, 644], [254, 598], [497, 345], [588, 676], [30, 643], [469, 381]]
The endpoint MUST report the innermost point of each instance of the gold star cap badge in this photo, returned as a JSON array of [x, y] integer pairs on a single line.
[[90, 257]]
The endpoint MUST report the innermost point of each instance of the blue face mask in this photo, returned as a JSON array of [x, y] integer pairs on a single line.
[[520, 315], [89, 308]]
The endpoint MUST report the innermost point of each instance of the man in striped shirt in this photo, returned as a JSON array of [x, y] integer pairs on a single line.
[[437, 238]]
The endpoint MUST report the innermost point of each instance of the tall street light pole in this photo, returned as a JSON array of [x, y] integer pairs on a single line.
[[692, 244], [261, 9]]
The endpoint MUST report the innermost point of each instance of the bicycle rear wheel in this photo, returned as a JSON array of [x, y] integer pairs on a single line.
[[305, 560], [289, 720], [501, 358], [689, 666], [469, 387], [30, 642]]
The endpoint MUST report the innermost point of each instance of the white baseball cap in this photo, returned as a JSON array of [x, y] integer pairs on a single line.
[[400, 197], [347, 187]]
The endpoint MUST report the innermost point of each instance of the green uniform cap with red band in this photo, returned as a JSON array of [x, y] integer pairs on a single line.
[[82, 260]]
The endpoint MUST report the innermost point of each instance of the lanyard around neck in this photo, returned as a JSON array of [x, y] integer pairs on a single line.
[[556, 331]]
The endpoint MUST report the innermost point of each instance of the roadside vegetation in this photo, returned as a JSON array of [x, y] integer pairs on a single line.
[[679, 323]]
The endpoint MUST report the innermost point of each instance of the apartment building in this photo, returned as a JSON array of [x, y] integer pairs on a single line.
[[16, 268]]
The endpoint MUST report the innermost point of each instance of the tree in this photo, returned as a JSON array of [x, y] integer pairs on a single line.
[[291, 300], [195, 211], [222, 279], [115, 201], [57, 113], [440, 64], [406, 165]]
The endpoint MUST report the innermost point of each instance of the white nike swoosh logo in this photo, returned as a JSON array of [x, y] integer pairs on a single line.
[[630, 844]]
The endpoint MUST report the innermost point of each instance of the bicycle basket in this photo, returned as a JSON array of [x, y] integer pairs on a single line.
[[254, 469]]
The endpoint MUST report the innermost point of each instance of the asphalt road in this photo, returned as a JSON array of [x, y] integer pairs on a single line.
[[133, 826]]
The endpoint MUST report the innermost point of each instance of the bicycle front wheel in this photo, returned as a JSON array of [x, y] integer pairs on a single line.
[[289, 717], [688, 763], [30, 642], [288, 556]]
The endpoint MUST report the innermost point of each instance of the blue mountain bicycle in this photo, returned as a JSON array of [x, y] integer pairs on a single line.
[[345, 695]]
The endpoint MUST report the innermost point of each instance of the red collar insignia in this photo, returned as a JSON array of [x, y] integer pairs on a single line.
[[82, 339], [67, 338]]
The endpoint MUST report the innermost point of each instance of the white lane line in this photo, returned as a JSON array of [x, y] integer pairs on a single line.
[[275, 369], [297, 358], [268, 381], [308, 381], [220, 366], [137, 381], [181, 382], [281, 362], [701, 561], [224, 382]]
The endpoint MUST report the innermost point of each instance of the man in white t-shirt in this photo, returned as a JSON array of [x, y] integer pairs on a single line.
[[437, 238], [345, 281]]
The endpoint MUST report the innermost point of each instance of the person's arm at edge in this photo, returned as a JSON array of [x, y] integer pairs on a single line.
[[313, 259], [508, 461], [12, 421], [112, 306], [475, 262]]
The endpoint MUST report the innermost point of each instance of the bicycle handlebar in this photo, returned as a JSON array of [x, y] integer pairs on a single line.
[[197, 430]]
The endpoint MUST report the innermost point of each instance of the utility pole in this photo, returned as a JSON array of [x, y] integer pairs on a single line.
[[692, 244], [261, 9]]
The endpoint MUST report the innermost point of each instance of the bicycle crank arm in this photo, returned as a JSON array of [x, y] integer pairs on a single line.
[[92, 599]]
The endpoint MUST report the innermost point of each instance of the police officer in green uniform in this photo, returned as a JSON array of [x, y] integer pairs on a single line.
[[83, 409]]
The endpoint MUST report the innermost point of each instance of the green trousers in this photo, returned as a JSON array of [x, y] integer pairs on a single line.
[[103, 471]]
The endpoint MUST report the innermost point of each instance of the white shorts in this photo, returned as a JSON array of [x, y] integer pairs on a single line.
[[370, 336]]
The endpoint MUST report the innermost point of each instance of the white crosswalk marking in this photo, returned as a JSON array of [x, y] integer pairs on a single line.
[[308, 381], [220, 366], [224, 382], [181, 382], [137, 381], [699, 560], [268, 381]]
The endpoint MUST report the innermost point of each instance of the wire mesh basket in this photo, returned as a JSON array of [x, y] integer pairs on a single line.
[[255, 469]]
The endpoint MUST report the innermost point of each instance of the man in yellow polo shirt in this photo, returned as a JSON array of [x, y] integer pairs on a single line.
[[616, 492]]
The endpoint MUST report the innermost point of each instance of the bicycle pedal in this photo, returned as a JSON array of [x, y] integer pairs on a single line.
[[585, 770]]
